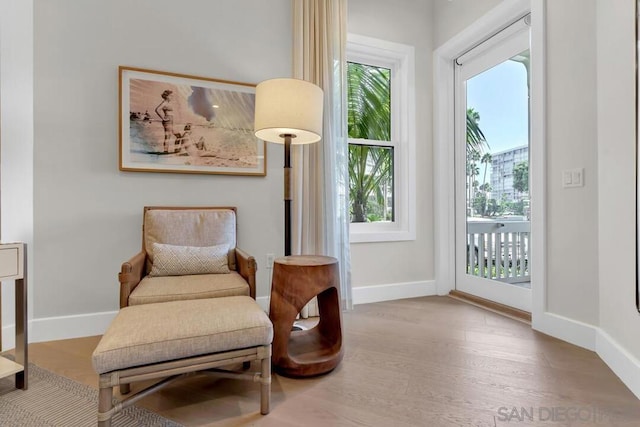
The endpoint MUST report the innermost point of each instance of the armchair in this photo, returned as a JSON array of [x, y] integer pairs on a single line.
[[184, 239]]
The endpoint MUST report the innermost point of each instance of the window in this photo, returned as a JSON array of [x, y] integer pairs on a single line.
[[370, 146], [380, 119]]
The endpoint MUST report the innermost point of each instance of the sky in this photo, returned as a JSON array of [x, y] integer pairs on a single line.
[[499, 95]]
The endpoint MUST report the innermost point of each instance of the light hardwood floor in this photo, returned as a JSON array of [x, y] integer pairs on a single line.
[[431, 361]]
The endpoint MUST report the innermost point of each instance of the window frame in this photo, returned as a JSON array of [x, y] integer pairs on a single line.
[[400, 59]]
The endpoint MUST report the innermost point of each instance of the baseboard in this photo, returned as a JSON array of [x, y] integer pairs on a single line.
[[621, 362], [618, 359], [84, 325], [569, 330], [263, 302], [75, 326], [393, 291], [61, 328], [369, 294]]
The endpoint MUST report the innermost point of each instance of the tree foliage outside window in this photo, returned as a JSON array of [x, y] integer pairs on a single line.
[[521, 177], [478, 201], [476, 144], [371, 167]]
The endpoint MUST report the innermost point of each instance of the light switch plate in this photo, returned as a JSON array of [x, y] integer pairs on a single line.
[[573, 178]]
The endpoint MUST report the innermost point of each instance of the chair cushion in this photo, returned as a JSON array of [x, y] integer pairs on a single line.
[[190, 227], [154, 333], [172, 260], [176, 288]]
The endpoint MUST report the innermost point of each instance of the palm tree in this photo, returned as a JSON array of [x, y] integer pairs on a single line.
[[485, 189], [476, 142], [486, 160], [369, 117], [369, 170], [473, 170], [369, 102]]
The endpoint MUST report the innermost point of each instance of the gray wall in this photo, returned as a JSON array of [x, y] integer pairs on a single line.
[[87, 213], [454, 16], [616, 178], [408, 22], [16, 139], [572, 141]]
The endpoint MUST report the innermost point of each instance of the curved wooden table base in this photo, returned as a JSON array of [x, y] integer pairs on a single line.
[[296, 280]]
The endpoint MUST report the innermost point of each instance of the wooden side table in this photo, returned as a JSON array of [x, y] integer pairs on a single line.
[[13, 266], [296, 280]]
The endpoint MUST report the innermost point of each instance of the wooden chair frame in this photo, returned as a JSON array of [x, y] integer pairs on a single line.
[[133, 270]]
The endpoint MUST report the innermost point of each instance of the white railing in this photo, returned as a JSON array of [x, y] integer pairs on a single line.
[[498, 250]]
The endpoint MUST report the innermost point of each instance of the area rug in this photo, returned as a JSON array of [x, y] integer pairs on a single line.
[[55, 401]]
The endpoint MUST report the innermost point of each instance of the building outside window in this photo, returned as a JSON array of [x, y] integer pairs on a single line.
[[503, 179]]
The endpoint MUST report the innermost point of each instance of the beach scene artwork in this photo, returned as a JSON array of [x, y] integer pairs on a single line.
[[179, 123]]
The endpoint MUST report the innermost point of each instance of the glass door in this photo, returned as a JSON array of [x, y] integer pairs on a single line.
[[492, 169]]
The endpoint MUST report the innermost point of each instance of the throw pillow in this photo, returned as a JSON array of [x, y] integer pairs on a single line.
[[172, 260]]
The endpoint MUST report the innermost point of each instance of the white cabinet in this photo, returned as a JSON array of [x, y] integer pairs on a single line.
[[13, 267]]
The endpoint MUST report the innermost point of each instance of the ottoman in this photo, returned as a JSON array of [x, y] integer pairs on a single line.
[[171, 339]]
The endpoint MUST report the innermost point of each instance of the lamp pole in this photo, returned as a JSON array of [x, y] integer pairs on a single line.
[[287, 109], [287, 193]]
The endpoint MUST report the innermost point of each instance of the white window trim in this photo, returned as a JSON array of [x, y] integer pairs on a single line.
[[400, 58]]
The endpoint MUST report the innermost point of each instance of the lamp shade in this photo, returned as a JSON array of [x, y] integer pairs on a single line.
[[288, 106]]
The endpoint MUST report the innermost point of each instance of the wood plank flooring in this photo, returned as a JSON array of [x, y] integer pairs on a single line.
[[431, 361]]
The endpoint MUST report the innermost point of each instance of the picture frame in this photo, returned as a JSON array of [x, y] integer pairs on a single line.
[[179, 123]]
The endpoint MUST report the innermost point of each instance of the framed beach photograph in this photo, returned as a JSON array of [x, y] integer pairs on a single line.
[[186, 124]]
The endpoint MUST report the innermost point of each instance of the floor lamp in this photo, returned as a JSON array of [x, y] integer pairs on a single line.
[[288, 111]]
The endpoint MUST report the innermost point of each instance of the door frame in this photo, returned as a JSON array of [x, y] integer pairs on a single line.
[[512, 42], [444, 131]]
